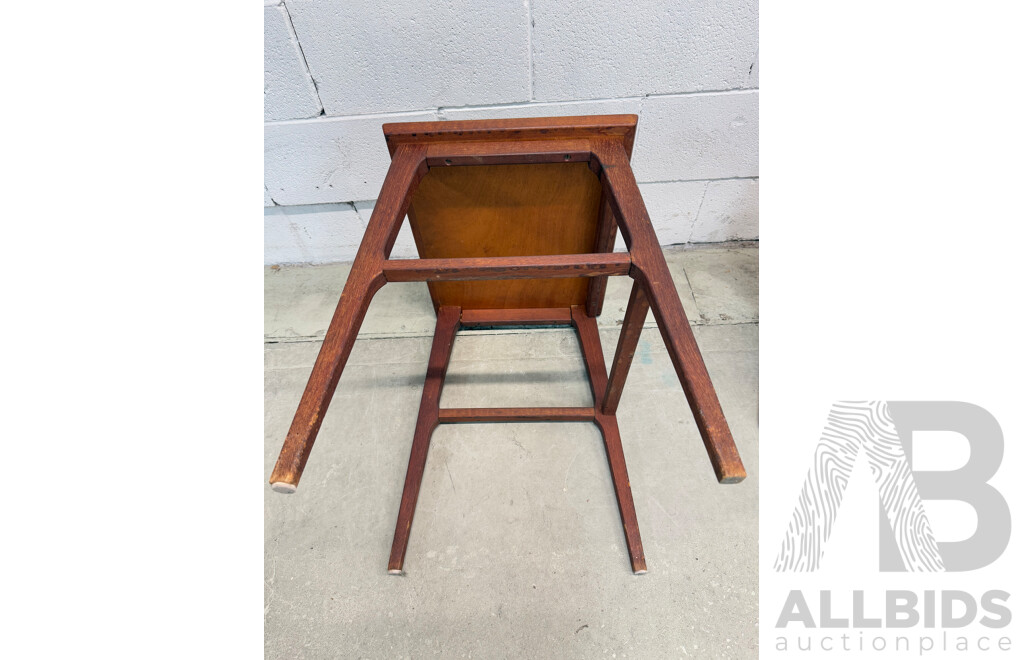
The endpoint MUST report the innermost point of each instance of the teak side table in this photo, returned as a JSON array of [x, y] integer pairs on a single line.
[[515, 222]]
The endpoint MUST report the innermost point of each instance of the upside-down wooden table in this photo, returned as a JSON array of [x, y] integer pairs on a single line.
[[515, 221]]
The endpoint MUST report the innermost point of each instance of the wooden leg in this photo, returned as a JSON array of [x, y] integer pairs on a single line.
[[620, 478], [341, 336], [604, 242], [650, 269], [590, 342], [693, 375], [365, 279], [632, 325], [440, 352]]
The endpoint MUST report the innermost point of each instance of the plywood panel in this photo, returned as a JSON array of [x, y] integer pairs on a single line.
[[507, 211]]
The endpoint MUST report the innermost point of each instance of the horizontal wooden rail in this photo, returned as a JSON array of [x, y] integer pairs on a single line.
[[508, 153], [506, 268], [472, 415], [475, 318]]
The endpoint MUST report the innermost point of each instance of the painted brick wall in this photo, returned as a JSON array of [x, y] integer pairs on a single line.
[[335, 71]]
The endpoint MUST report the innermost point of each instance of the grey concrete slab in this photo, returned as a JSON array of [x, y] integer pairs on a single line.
[[517, 548], [724, 283], [617, 295], [299, 300]]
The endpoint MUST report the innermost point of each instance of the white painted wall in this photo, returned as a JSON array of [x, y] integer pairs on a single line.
[[335, 71]]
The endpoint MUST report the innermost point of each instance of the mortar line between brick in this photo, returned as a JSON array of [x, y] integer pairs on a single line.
[[723, 178], [633, 97], [706, 92], [534, 103], [305, 64], [520, 104]]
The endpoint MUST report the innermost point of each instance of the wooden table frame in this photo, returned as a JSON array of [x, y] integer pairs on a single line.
[[605, 144]]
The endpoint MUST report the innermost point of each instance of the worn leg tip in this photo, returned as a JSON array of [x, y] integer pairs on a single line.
[[732, 479], [395, 571], [282, 487], [642, 571]]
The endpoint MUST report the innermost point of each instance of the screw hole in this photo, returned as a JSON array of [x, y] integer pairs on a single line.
[[568, 157], [447, 161]]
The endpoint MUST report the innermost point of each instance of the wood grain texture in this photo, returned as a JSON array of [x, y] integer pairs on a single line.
[[507, 211], [477, 415], [621, 128], [506, 268], [632, 325], [426, 422], [603, 242], [650, 269], [364, 280], [590, 344], [444, 154]]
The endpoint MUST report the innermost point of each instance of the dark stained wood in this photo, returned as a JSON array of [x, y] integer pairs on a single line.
[[476, 415], [447, 154], [515, 221], [620, 128], [650, 269], [475, 318], [590, 344], [603, 242], [437, 365], [632, 325], [506, 268], [506, 211], [364, 280]]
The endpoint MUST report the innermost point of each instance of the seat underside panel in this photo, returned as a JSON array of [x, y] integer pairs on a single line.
[[507, 211]]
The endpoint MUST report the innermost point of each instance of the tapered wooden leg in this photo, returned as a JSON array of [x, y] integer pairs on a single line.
[[440, 353], [693, 375], [650, 269], [590, 343], [364, 280], [338, 342], [632, 325], [620, 478]]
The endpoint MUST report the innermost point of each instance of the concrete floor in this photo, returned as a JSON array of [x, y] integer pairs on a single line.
[[517, 548]]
